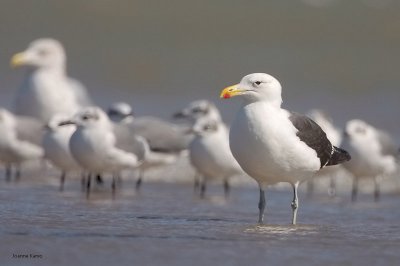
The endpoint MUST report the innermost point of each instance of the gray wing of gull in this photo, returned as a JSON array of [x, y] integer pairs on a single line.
[[161, 135], [389, 146]]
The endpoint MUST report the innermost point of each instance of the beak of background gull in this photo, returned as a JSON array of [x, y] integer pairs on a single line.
[[231, 91], [17, 60], [67, 122]]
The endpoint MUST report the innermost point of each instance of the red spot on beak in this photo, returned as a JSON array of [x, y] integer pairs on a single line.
[[227, 96]]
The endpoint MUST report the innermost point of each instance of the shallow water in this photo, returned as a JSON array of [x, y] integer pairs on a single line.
[[167, 224]]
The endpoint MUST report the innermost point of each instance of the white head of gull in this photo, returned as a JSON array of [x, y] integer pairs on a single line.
[[46, 88]]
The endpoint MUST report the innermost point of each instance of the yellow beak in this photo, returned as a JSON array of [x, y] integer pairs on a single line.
[[17, 60], [231, 91]]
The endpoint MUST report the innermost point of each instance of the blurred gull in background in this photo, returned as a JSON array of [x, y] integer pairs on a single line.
[[374, 154], [56, 146], [209, 153], [162, 135], [13, 150], [46, 89]]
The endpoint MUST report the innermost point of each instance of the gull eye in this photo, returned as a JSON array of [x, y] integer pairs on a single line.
[[85, 117], [256, 83], [360, 130], [43, 52], [196, 110]]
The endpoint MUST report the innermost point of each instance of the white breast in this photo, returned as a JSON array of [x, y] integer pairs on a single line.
[[264, 142]]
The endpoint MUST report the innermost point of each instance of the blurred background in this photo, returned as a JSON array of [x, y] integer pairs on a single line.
[[338, 55]]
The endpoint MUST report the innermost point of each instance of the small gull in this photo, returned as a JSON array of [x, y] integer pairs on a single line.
[[13, 150], [46, 89], [93, 146], [56, 146], [374, 154], [274, 145], [209, 151]]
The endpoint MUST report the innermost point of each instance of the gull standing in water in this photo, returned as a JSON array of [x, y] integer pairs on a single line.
[[93, 146], [56, 146], [210, 154], [274, 145], [46, 89], [13, 150], [209, 151], [374, 154]]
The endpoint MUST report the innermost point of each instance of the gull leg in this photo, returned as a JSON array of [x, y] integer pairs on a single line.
[[83, 181], [295, 202], [99, 179], [17, 172], [62, 180], [113, 185], [196, 182], [203, 189], [227, 188], [377, 193], [8, 172], [88, 186], [261, 206], [332, 187], [354, 190], [140, 180]]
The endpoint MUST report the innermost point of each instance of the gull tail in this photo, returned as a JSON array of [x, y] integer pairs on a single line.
[[338, 156]]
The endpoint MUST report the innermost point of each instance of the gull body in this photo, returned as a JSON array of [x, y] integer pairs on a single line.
[[46, 89], [272, 144]]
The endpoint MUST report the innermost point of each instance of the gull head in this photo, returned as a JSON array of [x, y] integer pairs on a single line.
[[41, 53], [199, 109], [92, 117], [360, 131], [256, 87], [7, 119], [120, 111], [205, 127]]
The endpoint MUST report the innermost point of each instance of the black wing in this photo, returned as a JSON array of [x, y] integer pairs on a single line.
[[311, 134]]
